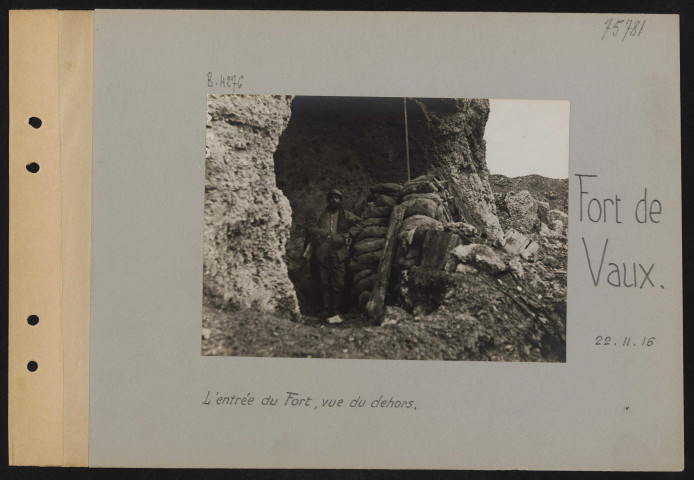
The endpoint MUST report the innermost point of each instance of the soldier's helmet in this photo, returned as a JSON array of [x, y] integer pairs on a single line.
[[334, 191]]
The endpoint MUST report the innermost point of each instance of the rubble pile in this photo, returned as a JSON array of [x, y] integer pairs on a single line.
[[509, 292]]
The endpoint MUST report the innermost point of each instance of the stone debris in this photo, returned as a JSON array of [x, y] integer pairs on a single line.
[[461, 228], [546, 232], [462, 268], [523, 209], [558, 215], [481, 256], [335, 319], [516, 243], [516, 267], [206, 332], [558, 226], [543, 212], [394, 315]]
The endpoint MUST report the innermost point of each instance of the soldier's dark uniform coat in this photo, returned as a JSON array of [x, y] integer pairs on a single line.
[[328, 234]]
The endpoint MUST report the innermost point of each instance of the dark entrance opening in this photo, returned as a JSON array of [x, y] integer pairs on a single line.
[[349, 143]]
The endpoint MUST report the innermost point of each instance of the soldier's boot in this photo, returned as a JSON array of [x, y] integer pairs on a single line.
[[336, 304], [326, 304]]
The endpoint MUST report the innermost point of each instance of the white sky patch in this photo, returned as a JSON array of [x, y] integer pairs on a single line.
[[528, 136]]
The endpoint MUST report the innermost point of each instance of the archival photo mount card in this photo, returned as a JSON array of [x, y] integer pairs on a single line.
[[475, 248]]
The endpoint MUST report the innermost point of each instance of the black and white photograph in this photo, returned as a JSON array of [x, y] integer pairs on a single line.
[[398, 228]]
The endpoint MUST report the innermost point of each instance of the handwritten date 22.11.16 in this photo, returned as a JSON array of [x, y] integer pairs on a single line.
[[625, 341], [622, 28]]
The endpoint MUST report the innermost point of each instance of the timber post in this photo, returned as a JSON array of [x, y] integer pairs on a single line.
[[375, 306]]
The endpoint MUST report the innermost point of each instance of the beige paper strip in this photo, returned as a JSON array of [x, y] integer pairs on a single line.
[[76, 100], [35, 401]]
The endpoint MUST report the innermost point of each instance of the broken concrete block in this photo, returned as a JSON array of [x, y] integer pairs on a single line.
[[516, 243], [335, 319], [523, 209], [546, 232], [530, 251], [481, 256]]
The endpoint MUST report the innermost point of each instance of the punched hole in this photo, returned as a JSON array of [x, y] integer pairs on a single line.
[[32, 366], [33, 320], [35, 122], [33, 167]]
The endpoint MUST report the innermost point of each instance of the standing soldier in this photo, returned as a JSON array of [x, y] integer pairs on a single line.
[[330, 236]]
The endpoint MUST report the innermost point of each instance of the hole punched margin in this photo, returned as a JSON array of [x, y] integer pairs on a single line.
[[33, 167], [35, 122], [33, 320], [32, 366]]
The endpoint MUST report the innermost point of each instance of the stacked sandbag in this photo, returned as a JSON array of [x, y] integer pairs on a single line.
[[369, 243], [424, 210]]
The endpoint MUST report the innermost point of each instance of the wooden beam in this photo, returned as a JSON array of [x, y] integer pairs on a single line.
[[375, 306], [436, 248]]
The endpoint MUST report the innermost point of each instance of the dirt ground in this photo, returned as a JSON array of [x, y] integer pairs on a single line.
[[473, 317], [251, 333]]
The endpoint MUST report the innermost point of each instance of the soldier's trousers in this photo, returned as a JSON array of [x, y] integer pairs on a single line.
[[332, 280]]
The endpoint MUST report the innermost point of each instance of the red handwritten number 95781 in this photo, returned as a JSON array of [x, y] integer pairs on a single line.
[[629, 27]]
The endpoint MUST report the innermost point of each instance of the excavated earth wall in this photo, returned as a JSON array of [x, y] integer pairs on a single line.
[[247, 218], [256, 155]]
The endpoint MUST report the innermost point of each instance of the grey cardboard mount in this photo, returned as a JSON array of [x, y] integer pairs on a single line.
[[606, 408]]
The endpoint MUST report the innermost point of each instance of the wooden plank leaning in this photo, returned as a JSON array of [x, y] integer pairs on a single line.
[[436, 248], [375, 306]]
